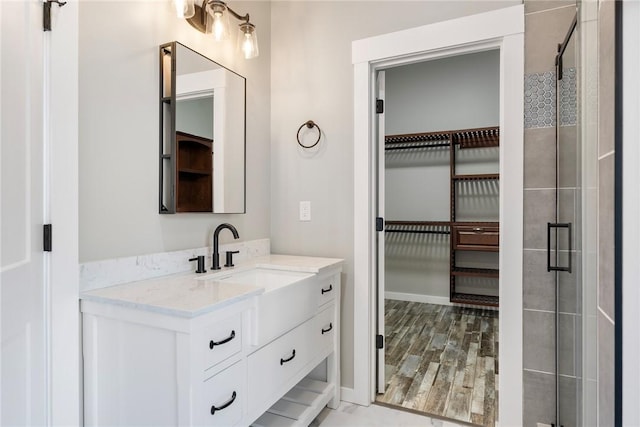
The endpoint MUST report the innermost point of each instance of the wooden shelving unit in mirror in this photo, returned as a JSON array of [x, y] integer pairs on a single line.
[[193, 173]]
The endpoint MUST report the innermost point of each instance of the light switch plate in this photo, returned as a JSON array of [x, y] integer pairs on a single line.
[[305, 211]]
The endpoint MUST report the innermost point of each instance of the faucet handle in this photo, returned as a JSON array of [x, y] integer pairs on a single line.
[[229, 262], [200, 259]]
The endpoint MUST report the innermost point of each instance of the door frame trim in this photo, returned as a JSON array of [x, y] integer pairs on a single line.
[[630, 104], [63, 313], [503, 29]]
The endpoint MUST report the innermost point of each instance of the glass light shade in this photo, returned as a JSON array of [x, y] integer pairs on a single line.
[[184, 8], [219, 22], [248, 40]]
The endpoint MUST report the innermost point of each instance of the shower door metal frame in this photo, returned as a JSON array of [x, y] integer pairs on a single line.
[[557, 268]]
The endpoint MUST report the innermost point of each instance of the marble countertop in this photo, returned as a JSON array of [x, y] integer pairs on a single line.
[[191, 295], [296, 263]]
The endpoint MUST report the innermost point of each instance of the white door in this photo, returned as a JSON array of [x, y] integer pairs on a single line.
[[380, 194], [23, 361]]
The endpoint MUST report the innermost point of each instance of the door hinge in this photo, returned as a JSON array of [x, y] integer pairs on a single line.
[[46, 238], [379, 106], [46, 15], [379, 341], [379, 224]]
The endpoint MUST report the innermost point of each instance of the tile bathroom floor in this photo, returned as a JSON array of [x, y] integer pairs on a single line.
[[442, 361], [349, 415]]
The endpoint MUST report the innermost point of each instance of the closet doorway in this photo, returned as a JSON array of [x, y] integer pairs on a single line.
[[438, 245]]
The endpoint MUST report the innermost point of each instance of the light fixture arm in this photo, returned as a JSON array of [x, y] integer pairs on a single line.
[[235, 14], [199, 20]]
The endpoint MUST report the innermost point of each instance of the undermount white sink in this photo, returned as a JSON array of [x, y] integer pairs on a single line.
[[288, 300]]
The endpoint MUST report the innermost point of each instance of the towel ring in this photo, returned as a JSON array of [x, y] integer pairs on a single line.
[[310, 124]]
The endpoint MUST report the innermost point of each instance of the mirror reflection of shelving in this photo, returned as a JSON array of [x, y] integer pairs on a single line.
[[205, 100], [194, 166]]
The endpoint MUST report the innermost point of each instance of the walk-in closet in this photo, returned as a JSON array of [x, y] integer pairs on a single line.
[[439, 199]]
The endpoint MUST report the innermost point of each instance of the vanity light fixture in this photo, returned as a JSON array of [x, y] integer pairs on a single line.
[[212, 17], [184, 8]]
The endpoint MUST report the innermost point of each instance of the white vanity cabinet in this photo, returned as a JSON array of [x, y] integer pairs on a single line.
[[276, 370], [144, 368], [164, 367]]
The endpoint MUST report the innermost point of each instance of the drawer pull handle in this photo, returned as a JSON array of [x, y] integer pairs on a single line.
[[213, 343], [324, 291], [478, 230], [226, 405], [283, 361], [324, 331]]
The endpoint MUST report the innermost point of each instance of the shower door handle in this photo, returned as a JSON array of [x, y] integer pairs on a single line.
[[557, 225]]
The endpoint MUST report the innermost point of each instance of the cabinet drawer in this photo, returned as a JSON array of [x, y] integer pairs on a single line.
[[223, 398], [221, 340], [271, 366], [327, 289], [476, 238], [324, 329]]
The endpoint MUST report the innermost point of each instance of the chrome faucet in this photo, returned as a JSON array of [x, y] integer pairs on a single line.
[[215, 259]]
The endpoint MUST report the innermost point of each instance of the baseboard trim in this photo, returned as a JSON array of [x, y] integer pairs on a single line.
[[430, 299], [349, 395]]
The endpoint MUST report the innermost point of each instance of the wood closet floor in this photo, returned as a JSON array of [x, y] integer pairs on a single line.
[[442, 360]]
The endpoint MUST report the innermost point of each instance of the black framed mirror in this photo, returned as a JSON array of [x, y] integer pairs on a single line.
[[202, 134]]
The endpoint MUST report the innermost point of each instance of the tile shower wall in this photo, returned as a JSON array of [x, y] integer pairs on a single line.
[[546, 24], [540, 99], [606, 169]]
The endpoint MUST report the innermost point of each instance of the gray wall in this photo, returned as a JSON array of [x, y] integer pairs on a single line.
[[312, 78], [118, 103], [195, 116], [460, 92], [453, 93]]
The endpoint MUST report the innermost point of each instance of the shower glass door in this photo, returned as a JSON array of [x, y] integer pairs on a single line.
[[565, 255]]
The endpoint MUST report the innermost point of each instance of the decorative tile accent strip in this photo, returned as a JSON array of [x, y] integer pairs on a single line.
[[568, 98], [540, 99], [100, 274]]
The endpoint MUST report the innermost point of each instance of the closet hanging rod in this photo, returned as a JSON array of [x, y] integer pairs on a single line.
[[418, 231], [418, 227], [477, 139], [477, 177], [420, 223], [466, 138], [388, 146], [417, 137]]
